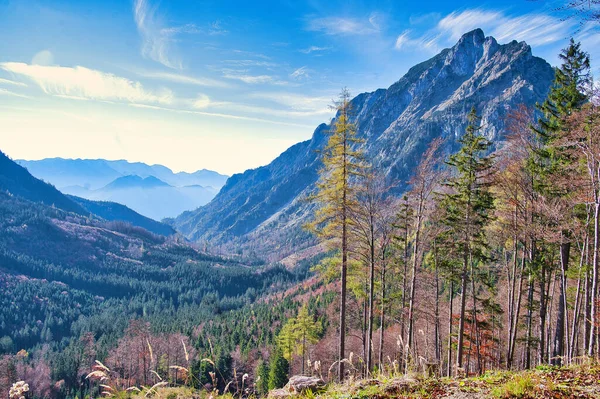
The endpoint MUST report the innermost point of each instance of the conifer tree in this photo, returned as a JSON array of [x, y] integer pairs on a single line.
[[467, 207], [286, 339], [278, 370], [296, 334], [567, 94], [336, 195], [307, 330], [262, 375]]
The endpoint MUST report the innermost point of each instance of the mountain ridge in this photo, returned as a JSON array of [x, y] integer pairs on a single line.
[[263, 208], [17, 181], [64, 172], [130, 181], [151, 190]]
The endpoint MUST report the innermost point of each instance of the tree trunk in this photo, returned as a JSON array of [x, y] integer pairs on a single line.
[[449, 365], [576, 312], [371, 288], [517, 312], [476, 323], [404, 288], [303, 350], [342, 342], [382, 320], [559, 332], [413, 285], [594, 290], [463, 303], [438, 343], [542, 332], [527, 364]]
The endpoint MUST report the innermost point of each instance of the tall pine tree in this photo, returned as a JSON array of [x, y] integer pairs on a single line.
[[336, 195], [568, 93], [467, 209]]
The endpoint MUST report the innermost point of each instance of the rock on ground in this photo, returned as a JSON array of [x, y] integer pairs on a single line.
[[297, 385]]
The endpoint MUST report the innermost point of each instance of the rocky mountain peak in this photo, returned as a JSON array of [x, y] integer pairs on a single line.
[[264, 208]]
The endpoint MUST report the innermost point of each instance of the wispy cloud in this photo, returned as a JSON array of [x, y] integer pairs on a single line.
[[44, 57], [253, 79], [12, 82], [5, 92], [428, 41], [297, 102], [251, 63], [281, 105], [156, 39], [536, 29], [216, 28], [183, 79], [213, 29], [314, 49], [428, 18], [84, 83], [175, 30], [220, 115], [251, 54], [344, 26], [201, 102], [300, 73]]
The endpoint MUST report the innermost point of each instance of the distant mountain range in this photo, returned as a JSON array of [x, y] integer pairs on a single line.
[[261, 211], [15, 180], [152, 190]]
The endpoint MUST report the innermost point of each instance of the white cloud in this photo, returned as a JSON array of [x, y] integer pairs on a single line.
[[288, 105], [81, 82], [156, 39], [344, 26], [185, 79], [536, 29], [239, 107], [314, 49], [253, 79], [403, 39], [12, 82], [44, 57], [458, 23], [297, 102], [300, 73], [376, 20], [215, 28], [187, 28], [277, 112], [251, 54], [424, 18], [202, 101], [429, 41], [5, 92], [250, 63]]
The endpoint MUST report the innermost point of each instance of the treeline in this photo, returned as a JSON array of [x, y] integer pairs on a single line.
[[489, 260]]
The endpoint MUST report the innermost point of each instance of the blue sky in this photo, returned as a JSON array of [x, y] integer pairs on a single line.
[[223, 85]]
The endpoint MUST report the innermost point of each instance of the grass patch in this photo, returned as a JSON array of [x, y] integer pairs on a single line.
[[519, 386]]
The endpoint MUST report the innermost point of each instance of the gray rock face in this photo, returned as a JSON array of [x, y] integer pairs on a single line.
[[262, 210]]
